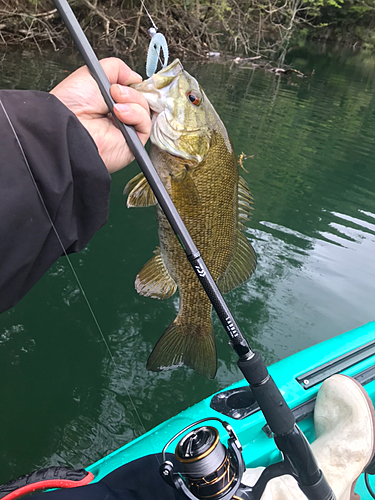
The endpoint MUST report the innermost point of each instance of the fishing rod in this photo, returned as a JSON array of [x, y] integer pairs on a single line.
[[288, 437]]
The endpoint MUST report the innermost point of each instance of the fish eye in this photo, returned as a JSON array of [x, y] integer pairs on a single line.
[[194, 97]]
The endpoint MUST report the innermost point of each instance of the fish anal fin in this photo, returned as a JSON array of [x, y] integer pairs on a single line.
[[139, 192], [241, 266], [154, 280], [185, 344]]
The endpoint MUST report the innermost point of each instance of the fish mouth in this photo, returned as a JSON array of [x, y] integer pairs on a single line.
[[162, 78], [153, 88], [166, 75]]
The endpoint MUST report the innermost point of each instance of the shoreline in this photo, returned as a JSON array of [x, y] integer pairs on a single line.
[[196, 31]]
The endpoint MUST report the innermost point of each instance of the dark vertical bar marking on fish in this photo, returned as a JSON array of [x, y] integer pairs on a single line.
[[298, 451]]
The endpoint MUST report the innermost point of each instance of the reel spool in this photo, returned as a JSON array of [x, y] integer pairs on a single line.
[[206, 468]]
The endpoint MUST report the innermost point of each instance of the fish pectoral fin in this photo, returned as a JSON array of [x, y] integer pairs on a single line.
[[185, 191], [241, 266], [154, 280], [140, 193], [185, 344]]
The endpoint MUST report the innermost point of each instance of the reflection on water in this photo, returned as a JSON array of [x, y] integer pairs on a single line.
[[65, 398]]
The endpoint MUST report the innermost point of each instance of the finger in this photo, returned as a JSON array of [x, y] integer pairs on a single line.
[[135, 115], [118, 72], [122, 94]]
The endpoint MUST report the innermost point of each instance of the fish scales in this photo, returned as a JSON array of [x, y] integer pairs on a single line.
[[212, 224], [194, 158]]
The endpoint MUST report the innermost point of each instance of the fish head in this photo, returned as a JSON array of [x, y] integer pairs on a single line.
[[183, 119]]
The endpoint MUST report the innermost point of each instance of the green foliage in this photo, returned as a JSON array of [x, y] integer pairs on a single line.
[[352, 13]]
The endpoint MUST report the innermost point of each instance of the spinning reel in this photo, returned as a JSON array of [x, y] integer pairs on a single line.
[[206, 468]]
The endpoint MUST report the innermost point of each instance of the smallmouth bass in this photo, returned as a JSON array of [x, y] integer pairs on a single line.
[[194, 157]]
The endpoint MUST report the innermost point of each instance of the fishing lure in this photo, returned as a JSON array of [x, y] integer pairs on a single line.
[[157, 43]]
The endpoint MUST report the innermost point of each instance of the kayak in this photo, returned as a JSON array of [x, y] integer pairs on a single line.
[[344, 364], [298, 377]]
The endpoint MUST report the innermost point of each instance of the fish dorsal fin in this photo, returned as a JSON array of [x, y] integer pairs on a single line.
[[140, 193], [244, 259], [245, 201], [185, 190], [154, 280], [241, 266]]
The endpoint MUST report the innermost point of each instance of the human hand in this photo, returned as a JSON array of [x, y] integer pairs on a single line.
[[80, 93]]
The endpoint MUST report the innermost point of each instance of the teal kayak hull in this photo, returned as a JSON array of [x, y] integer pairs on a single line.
[[298, 377]]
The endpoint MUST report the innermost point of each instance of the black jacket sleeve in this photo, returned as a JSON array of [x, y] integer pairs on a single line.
[[48, 163], [136, 480]]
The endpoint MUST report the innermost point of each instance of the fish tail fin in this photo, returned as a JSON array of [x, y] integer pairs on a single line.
[[185, 344]]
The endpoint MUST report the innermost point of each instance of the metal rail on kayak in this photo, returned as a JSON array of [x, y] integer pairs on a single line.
[[288, 437]]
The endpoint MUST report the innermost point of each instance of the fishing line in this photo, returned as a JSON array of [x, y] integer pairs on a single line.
[[71, 265], [152, 21]]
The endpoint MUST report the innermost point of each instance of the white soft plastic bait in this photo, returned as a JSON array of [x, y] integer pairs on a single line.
[[157, 42]]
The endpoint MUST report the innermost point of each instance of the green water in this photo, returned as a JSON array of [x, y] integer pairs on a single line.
[[63, 399]]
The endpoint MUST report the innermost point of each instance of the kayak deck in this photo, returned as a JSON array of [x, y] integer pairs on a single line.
[[298, 377]]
